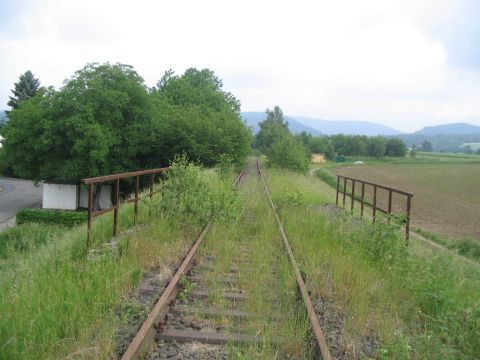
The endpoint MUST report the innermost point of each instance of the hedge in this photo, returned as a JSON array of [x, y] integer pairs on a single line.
[[57, 217]]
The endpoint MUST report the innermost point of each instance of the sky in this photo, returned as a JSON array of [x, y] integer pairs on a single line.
[[402, 63]]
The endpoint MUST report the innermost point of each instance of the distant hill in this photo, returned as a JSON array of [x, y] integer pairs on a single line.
[[315, 126], [252, 119], [347, 127], [449, 129]]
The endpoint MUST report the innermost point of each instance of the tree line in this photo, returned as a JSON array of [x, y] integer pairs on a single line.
[[293, 151], [104, 120]]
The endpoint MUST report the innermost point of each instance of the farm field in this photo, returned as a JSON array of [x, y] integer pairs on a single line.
[[446, 195]]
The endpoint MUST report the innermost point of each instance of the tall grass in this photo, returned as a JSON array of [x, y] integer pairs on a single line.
[[59, 299], [418, 305]]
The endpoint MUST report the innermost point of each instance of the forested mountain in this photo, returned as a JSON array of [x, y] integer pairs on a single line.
[[451, 129], [314, 126], [441, 142], [347, 127]]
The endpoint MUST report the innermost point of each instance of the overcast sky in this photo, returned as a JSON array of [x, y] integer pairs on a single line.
[[406, 64]]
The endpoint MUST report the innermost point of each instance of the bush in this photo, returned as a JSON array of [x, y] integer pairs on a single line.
[[55, 217], [190, 192], [289, 153]]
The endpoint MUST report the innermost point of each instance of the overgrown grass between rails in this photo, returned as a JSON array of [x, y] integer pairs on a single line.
[[417, 305], [266, 274], [61, 298]]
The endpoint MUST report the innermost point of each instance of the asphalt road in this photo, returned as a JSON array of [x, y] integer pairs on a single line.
[[17, 194]]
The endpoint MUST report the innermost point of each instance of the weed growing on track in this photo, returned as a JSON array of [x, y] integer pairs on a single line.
[[267, 274], [418, 305], [59, 299]]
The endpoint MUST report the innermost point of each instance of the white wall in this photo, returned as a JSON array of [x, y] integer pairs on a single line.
[[60, 196]]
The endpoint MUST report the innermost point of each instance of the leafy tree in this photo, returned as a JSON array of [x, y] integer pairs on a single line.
[[289, 153], [193, 115], [396, 147], [377, 146], [426, 146], [104, 120], [321, 145], [94, 125], [304, 137], [25, 88], [272, 129], [276, 115]]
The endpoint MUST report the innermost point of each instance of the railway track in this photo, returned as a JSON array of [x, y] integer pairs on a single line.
[[208, 311]]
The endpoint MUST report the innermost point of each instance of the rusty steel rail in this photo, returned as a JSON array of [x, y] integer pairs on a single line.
[[142, 340], [91, 182], [317, 329], [374, 206]]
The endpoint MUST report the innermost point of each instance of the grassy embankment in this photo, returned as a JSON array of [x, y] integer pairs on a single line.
[[59, 299], [417, 303]]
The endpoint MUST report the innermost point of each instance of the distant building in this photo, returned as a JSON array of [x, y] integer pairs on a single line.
[[318, 158]]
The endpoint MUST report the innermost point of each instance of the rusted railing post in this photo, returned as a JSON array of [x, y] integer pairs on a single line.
[[344, 190], [338, 188], [135, 210], [362, 205], [152, 179], [374, 209], [407, 223], [90, 215], [353, 195], [117, 207]]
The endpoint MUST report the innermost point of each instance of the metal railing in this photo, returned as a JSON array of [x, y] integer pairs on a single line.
[[91, 182], [351, 194]]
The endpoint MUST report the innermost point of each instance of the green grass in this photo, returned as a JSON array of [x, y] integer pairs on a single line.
[[59, 298], [420, 304], [27, 237], [261, 244]]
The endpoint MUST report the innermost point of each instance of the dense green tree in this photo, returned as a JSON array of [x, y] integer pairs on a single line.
[[25, 88], [426, 146], [321, 145], [377, 146], [94, 125], [396, 147], [104, 120], [272, 129], [193, 115], [304, 137], [289, 153]]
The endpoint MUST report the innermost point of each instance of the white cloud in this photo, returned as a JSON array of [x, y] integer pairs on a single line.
[[370, 60]]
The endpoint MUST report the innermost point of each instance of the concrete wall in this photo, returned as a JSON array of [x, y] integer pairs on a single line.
[[60, 196], [103, 202]]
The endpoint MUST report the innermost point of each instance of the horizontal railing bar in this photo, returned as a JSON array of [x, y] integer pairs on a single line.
[[104, 211], [100, 179], [365, 202], [406, 193]]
